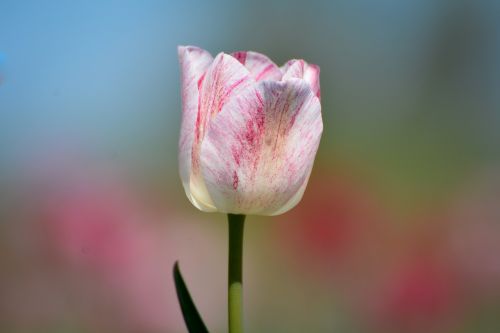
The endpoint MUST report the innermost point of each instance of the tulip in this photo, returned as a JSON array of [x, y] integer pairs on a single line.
[[250, 131], [249, 134]]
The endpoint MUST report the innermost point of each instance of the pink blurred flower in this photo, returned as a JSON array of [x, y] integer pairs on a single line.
[[99, 232], [418, 295], [473, 242], [250, 131], [392, 278], [335, 224], [101, 259]]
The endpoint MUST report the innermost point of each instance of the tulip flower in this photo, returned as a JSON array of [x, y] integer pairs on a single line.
[[250, 131], [249, 134]]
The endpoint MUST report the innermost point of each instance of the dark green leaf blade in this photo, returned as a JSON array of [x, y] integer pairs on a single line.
[[192, 318]]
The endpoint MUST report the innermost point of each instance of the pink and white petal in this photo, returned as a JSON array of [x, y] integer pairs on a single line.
[[224, 79], [259, 65], [311, 75], [296, 197], [259, 151], [302, 70], [194, 62], [294, 68]]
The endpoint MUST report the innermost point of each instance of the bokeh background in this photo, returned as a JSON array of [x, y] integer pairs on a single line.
[[399, 228]]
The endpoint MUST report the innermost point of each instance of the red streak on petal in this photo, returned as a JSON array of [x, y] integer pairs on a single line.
[[241, 56], [264, 72], [228, 92], [200, 81], [259, 97], [235, 180], [198, 116], [198, 122], [236, 155]]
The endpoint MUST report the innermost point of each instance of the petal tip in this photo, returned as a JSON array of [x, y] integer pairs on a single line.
[[186, 49], [315, 67], [181, 49]]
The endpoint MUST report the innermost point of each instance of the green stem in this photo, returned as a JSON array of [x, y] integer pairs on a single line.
[[235, 281]]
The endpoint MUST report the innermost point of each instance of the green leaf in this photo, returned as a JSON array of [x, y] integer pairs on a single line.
[[192, 318]]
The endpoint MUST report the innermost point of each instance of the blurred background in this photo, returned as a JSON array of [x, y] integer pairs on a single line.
[[399, 228]]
